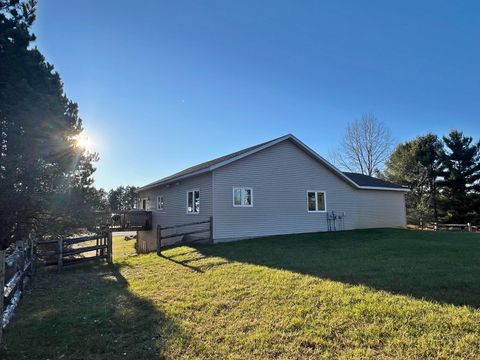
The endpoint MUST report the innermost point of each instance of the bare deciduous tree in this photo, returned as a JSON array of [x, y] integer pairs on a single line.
[[366, 146]]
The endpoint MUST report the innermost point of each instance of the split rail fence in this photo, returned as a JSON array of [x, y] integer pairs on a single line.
[[17, 268], [64, 252], [15, 271], [208, 228], [435, 226]]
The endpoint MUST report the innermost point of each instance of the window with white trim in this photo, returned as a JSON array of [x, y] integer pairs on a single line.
[[242, 197], [316, 201], [160, 202], [193, 201]]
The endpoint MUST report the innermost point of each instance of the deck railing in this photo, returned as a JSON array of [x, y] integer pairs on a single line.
[[133, 220]]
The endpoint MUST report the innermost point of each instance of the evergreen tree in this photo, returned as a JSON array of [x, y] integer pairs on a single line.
[[417, 164], [460, 177], [44, 174], [429, 153]]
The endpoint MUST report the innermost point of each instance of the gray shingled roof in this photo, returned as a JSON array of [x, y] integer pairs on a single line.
[[365, 180], [358, 179], [207, 164]]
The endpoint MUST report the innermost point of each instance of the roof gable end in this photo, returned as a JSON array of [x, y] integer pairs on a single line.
[[358, 181]]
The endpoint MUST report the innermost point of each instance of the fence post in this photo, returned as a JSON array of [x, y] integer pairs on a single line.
[[2, 288], [60, 254], [32, 256], [109, 248], [21, 266], [159, 240], [102, 241], [435, 226], [469, 226], [211, 228]]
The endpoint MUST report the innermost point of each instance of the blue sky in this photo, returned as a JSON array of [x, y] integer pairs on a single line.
[[163, 85]]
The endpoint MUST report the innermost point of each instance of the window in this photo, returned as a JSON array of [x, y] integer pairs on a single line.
[[242, 196], [160, 203], [193, 202], [144, 204], [316, 201]]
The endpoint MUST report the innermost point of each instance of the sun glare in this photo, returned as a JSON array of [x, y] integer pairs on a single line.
[[84, 142]]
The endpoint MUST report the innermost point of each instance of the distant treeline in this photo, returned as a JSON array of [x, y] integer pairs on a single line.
[[121, 198], [443, 174]]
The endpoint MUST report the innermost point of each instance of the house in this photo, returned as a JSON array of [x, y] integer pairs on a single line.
[[278, 187]]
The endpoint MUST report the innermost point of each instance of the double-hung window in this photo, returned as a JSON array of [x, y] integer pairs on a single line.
[[193, 201], [160, 203], [242, 197], [316, 201]]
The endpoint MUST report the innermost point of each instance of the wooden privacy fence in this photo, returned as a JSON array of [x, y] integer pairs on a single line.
[[63, 252], [186, 234], [15, 271]]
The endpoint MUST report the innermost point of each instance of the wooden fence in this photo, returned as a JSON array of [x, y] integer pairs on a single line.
[[436, 226], [65, 252], [455, 227], [209, 229], [15, 271], [17, 268]]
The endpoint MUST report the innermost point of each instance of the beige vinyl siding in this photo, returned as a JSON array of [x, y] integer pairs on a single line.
[[280, 177], [175, 211], [377, 209]]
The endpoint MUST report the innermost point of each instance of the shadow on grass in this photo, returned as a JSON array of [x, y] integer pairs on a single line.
[[443, 267], [87, 312], [184, 262], [177, 259]]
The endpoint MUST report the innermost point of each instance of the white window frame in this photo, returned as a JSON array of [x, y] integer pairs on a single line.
[[242, 188], [162, 203], [316, 201], [186, 201]]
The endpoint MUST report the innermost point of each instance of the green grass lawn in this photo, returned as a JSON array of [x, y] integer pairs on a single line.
[[383, 294]]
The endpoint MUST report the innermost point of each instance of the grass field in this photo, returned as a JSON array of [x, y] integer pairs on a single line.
[[384, 294]]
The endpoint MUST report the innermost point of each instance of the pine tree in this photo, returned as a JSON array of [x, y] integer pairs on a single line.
[[461, 176], [416, 164], [429, 152], [43, 173]]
